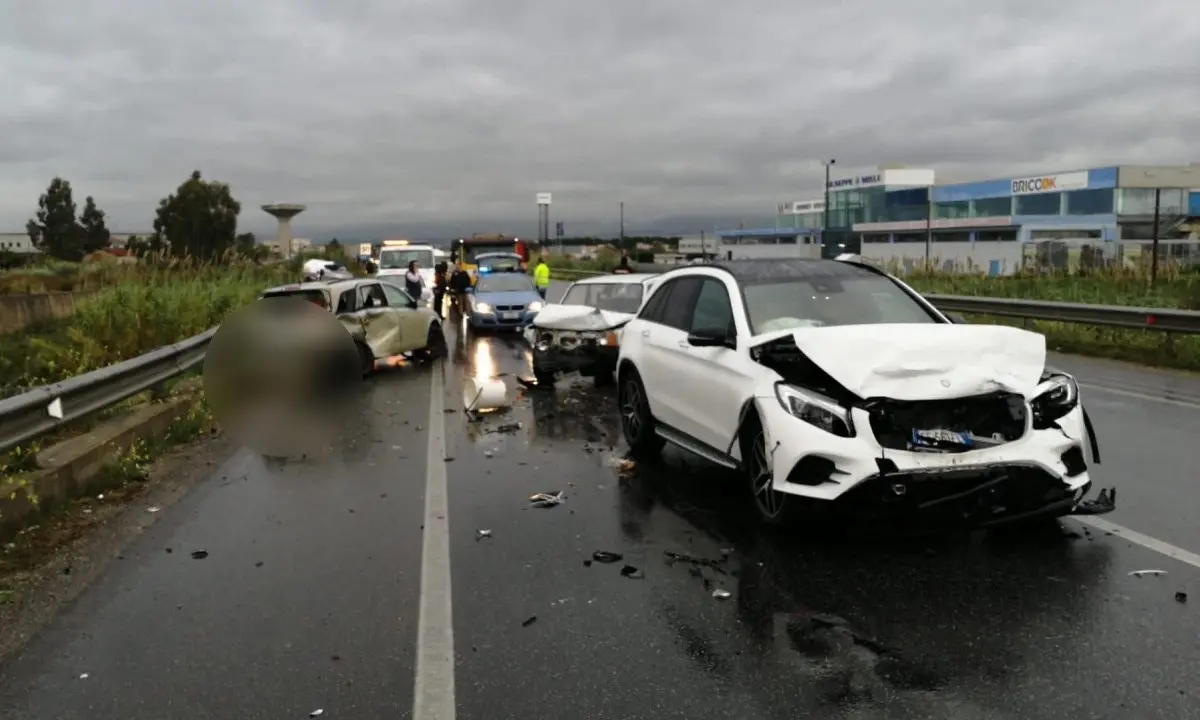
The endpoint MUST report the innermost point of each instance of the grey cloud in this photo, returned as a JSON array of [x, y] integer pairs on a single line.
[[457, 111]]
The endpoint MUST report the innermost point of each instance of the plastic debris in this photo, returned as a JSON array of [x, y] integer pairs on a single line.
[[153, 509], [316, 713], [529, 621], [547, 500], [506, 428], [199, 554], [489, 453], [606, 557], [481, 534], [1144, 573], [720, 594], [1180, 597], [630, 571], [674, 557], [83, 676]]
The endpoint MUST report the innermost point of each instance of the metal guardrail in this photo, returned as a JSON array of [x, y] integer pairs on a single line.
[[30, 414], [1167, 320]]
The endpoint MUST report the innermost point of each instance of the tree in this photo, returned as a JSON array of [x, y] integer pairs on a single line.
[[95, 231], [198, 220], [334, 249], [55, 231]]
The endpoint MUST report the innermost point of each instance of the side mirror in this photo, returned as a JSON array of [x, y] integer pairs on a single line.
[[711, 339], [956, 318]]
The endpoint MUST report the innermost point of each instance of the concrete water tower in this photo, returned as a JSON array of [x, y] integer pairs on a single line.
[[284, 212]]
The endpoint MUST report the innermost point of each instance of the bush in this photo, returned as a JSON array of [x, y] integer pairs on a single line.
[[139, 308]]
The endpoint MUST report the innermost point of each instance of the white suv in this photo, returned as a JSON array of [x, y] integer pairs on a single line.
[[830, 380]]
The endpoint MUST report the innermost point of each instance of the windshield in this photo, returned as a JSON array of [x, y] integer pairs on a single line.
[[614, 297], [822, 301], [501, 262], [470, 252], [393, 259], [503, 283]]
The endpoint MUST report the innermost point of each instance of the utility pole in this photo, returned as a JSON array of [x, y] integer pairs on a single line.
[[622, 242], [825, 219], [928, 226], [1154, 241]]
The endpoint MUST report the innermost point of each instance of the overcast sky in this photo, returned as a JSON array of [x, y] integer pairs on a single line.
[[389, 111]]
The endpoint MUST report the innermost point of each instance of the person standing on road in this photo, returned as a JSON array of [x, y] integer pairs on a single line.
[[439, 286], [541, 276], [623, 268], [459, 282], [413, 282]]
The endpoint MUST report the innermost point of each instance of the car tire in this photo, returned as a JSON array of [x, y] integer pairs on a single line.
[[435, 342], [366, 359], [637, 423], [772, 507]]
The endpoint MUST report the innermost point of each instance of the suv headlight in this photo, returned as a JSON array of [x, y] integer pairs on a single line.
[[815, 409], [1057, 395]]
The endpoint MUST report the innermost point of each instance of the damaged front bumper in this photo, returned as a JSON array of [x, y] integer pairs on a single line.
[[1044, 472], [563, 351]]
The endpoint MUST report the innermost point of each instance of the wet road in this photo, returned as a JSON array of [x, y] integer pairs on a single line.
[[309, 595]]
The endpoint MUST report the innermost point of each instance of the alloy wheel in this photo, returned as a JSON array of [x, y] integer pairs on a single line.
[[769, 500], [631, 411]]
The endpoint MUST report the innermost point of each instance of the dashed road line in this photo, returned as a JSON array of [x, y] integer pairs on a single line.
[[1133, 536]]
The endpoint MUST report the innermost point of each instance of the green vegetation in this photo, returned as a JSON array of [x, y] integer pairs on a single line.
[[1128, 287], [136, 309]]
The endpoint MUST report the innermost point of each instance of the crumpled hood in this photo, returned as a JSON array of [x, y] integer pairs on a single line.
[[925, 362], [579, 317]]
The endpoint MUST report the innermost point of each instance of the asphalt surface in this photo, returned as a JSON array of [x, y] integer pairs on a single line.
[[308, 598]]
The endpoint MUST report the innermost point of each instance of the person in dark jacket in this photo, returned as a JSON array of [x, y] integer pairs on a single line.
[[459, 282], [623, 268], [439, 286], [413, 282]]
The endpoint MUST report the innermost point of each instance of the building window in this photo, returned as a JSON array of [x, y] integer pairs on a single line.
[[993, 207], [951, 210], [1140, 201], [1090, 202], [1040, 204]]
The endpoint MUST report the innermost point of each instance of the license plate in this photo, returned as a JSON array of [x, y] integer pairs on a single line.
[[940, 438], [510, 315]]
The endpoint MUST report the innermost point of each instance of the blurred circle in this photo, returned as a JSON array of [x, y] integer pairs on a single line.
[[280, 376]]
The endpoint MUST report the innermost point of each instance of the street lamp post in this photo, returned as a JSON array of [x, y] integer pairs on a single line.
[[825, 218]]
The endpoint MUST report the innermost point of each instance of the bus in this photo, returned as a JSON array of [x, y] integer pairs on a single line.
[[465, 250]]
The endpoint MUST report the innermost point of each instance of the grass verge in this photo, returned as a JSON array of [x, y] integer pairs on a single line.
[[122, 481]]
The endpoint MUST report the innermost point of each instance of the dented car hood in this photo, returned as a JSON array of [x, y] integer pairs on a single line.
[[924, 362], [579, 317]]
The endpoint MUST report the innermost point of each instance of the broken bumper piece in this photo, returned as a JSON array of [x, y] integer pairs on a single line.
[[1104, 503], [979, 496]]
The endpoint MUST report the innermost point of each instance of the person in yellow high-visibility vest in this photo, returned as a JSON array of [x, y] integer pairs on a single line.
[[541, 276]]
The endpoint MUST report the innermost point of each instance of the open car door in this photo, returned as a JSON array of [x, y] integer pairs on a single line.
[[381, 322], [411, 321]]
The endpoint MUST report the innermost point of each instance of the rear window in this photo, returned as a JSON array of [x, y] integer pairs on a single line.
[[316, 297]]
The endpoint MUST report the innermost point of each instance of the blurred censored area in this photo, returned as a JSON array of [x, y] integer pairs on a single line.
[[280, 376]]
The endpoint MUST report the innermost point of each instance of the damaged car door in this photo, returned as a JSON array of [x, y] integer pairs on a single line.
[[381, 323], [412, 321]]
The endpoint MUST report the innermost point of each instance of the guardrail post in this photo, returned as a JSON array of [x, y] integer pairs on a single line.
[[1168, 344], [159, 391]]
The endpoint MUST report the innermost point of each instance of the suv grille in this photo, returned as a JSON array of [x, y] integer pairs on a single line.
[[957, 425]]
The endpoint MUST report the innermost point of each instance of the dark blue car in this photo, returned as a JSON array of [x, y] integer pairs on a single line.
[[503, 300]]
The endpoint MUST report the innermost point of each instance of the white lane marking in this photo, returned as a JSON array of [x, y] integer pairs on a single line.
[[1145, 541], [1191, 405], [433, 691]]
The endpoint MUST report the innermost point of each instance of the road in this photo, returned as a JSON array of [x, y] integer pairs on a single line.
[[311, 593]]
